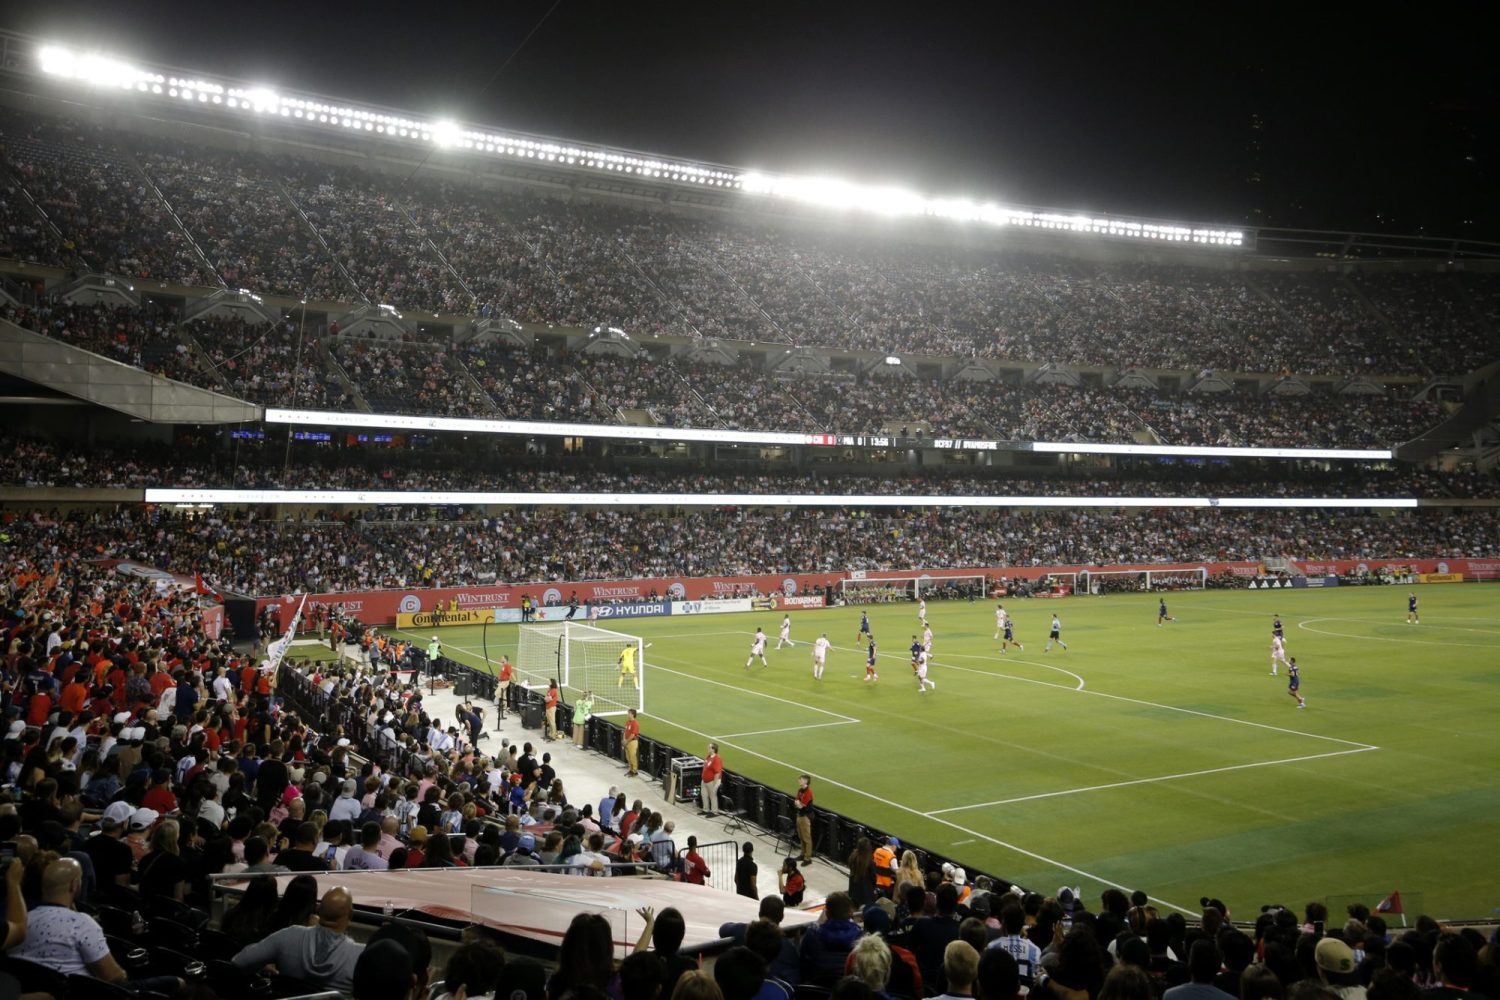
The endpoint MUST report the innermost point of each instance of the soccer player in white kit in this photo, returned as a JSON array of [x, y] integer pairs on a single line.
[[1278, 653], [785, 639], [922, 682], [820, 655], [1000, 616], [1055, 635], [926, 638], [922, 609], [757, 648]]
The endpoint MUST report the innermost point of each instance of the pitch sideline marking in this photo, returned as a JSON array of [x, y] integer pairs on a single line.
[[1149, 781], [899, 807]]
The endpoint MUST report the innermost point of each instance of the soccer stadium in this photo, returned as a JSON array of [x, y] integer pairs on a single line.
[[443, 560]]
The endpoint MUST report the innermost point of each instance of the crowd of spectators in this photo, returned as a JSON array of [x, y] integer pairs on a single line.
[[271, 363], [440, 247], [261, 362], [243, 223], [316, 551], [382, 249], [109, 217], [411, 378], [145, 757], [194, 462]]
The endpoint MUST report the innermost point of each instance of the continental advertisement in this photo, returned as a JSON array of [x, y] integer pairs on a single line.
[[440, 619], [1441, 577]]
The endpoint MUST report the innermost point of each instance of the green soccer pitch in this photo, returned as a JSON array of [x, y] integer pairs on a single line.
[[1160, 758]]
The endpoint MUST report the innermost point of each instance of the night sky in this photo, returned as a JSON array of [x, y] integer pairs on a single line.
[[1371, 117]]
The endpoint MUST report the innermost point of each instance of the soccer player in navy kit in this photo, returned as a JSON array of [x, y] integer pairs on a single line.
[[916, 651], [864, 627], [1276, 628], [1294, 683], [1161, 613], [1412, 618], [870, 674], [1010, 637]]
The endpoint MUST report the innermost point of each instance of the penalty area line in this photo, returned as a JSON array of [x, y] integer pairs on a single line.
[[901, 807], [788, 729], [1152, 781]]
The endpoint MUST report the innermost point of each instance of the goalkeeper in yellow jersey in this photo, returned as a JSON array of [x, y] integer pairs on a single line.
[[627, 667]]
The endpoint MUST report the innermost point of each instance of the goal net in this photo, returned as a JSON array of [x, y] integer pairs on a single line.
[[585, 658], [1141, 581], [912, 588]]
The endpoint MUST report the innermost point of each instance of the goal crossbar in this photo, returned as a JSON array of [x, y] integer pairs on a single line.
[[584, 658]]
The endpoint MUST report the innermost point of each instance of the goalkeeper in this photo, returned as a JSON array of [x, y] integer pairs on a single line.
[[627, 667]]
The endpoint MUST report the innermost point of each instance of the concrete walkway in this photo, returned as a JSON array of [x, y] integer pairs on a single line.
[[588, 776]]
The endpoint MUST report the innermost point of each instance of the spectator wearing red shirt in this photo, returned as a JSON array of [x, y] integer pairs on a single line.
[[38, 709], [159, 796], [632, 744], [713, 770], [694, 868], [75, 695]]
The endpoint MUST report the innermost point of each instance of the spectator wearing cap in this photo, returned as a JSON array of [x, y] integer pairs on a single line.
[[322, 955], [138, 836], [1204, 963], [111, 855], [525, 852], [347, 805]]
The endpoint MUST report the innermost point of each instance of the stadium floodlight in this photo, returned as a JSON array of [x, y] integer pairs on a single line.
[[888, 200], [892, 360]]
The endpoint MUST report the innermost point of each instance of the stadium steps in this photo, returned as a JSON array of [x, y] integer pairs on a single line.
[[327, 250], [127, 158], [1481, 406], [331, 364]]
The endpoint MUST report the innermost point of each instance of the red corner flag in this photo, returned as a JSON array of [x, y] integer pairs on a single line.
[[1390, 904]]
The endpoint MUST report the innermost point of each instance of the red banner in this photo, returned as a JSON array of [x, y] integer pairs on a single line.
[[379, 607]]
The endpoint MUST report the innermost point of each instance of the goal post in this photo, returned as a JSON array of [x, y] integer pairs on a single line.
[[915, 587], [585, 658], [1103, 582]]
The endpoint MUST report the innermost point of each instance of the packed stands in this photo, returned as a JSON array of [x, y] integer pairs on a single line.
[[198, 462], [405, 547], [479, 380], [296, 228]]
